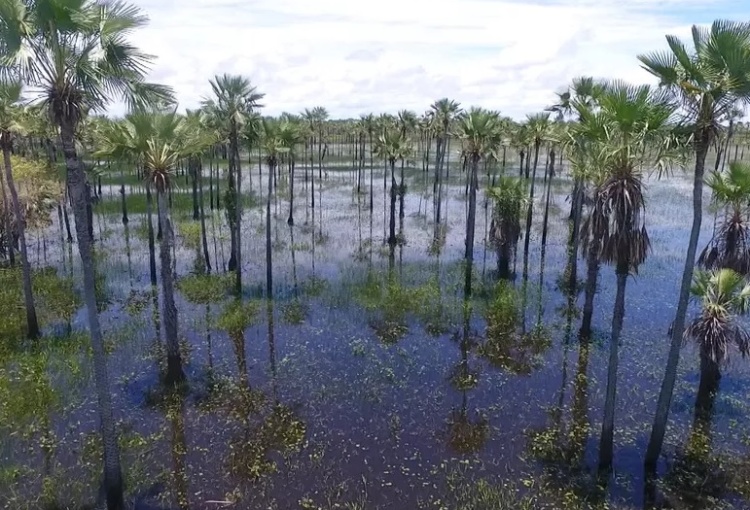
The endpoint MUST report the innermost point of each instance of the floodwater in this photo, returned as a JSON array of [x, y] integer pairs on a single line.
[[358, 386]]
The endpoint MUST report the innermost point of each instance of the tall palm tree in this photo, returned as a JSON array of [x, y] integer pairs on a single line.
[[290, 136], [79, 58], [480, 137], [730, 245], [368, 123], [234, 101], [160, 160], [392, 145], [10, 97], [583, 92], [197, 141], [708, 80], [630, 133], [278, 139], [444, 112]]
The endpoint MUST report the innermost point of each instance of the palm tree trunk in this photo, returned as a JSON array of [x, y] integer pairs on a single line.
[[175, 373], [606, 445], [372, 175], [392, 219], [113, 487], [290, 220], [269, 260], [204, 240], [32, 324], [151, 245], [9, 225], [122, 195], [238, 208], [592, 268], [470, 223], [670, 374], [194, 179], [574, 236]]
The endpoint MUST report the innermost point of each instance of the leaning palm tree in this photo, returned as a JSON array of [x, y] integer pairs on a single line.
[[730, 245], [480, 135], [631, 133], [77, 56], [10, 124], [234, 101], [708, 80]]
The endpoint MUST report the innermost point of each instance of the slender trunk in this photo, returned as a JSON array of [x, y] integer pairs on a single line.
[[592, 266], [470, 221], [238, 208], [204, 240], [392, 219], [194, 179], [606, 444], [67, 220], [372, 175], [122, 195], [269, 260], [113, 486], [151, 245], [9, 231], [670, 374], [175, 373], [32, 324], [575, 235], [290, 220]]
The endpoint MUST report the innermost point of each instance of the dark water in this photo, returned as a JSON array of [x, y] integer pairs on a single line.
[[334, 399]]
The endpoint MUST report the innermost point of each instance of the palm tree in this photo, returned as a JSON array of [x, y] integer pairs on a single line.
[[289, 137], [730, 245], [444, 112], [708, 80], [585, 92], [368, 123], [234, 101], [724, 295], [480, 136], [10, 96], [509, 196], [276, 137], [78, 57], [630, 132], [160, 160], [198, 140], [392, 145]]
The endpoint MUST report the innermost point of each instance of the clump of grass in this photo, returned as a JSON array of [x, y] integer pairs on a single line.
[[294, 313], [237, 316], [204, 288], [190, 232]]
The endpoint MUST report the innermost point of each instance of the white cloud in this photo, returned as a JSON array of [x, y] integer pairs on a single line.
[[365, 56]]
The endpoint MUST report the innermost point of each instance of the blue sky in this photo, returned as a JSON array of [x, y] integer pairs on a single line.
[[361, 56]]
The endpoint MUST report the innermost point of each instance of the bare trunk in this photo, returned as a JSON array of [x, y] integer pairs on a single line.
[[151, 245], [113, 486], [175, 373], [32, 324], [269, 259], [606, 443], [9, 226], [470, 223], [204, 240], [670, 374]]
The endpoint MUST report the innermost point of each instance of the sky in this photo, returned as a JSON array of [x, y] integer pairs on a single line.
[[361, 56]]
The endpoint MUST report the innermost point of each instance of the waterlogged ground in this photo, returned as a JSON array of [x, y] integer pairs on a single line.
[[359, 386]]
